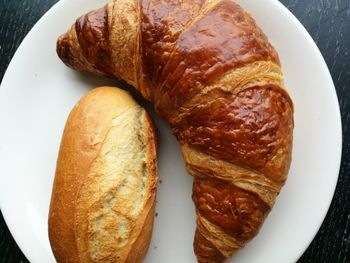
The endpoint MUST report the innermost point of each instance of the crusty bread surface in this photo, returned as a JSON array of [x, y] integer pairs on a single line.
[[103, 197]]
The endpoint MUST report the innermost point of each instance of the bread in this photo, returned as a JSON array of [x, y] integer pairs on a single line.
[[103, 197], [212, 74]]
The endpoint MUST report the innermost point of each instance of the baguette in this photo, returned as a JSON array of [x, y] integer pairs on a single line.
[[103, 198]]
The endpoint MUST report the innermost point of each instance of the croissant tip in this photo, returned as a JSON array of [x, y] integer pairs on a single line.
[[205, 251], [63, 49]]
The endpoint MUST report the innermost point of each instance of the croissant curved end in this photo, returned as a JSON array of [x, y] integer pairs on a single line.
[[63, 50]]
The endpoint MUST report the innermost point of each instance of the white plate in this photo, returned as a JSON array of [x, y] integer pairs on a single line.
[[38, 92]]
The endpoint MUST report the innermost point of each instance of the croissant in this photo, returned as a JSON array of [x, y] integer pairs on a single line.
[[211, 73]]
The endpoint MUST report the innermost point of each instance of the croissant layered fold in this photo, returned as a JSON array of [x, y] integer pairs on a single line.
[[211, 73]]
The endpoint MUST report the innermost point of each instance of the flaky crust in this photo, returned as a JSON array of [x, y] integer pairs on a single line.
[[103, 198], [212, 74]]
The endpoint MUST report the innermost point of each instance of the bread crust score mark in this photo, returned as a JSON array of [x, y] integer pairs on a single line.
[[103, 210]]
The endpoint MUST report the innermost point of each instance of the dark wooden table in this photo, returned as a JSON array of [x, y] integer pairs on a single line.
[[328, 23]]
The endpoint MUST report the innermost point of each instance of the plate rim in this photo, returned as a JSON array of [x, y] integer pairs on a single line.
[[335, 101], [338, 117]]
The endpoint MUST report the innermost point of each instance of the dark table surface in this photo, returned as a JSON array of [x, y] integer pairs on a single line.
[[328, 22]]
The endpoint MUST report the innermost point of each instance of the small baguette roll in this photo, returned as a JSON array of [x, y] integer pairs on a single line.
[[103, 197]]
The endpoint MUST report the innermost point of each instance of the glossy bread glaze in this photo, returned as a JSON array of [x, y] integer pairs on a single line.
[[92, 28], [241, 208], [212, 74], [251, 129], [225, 37]]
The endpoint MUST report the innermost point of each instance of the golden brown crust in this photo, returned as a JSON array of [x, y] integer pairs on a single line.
[[213, 75], [161, 24], [136, 255], [205, 251], [93, 35], [197, 59], [240, 208], [95, 174], [252, 129]]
